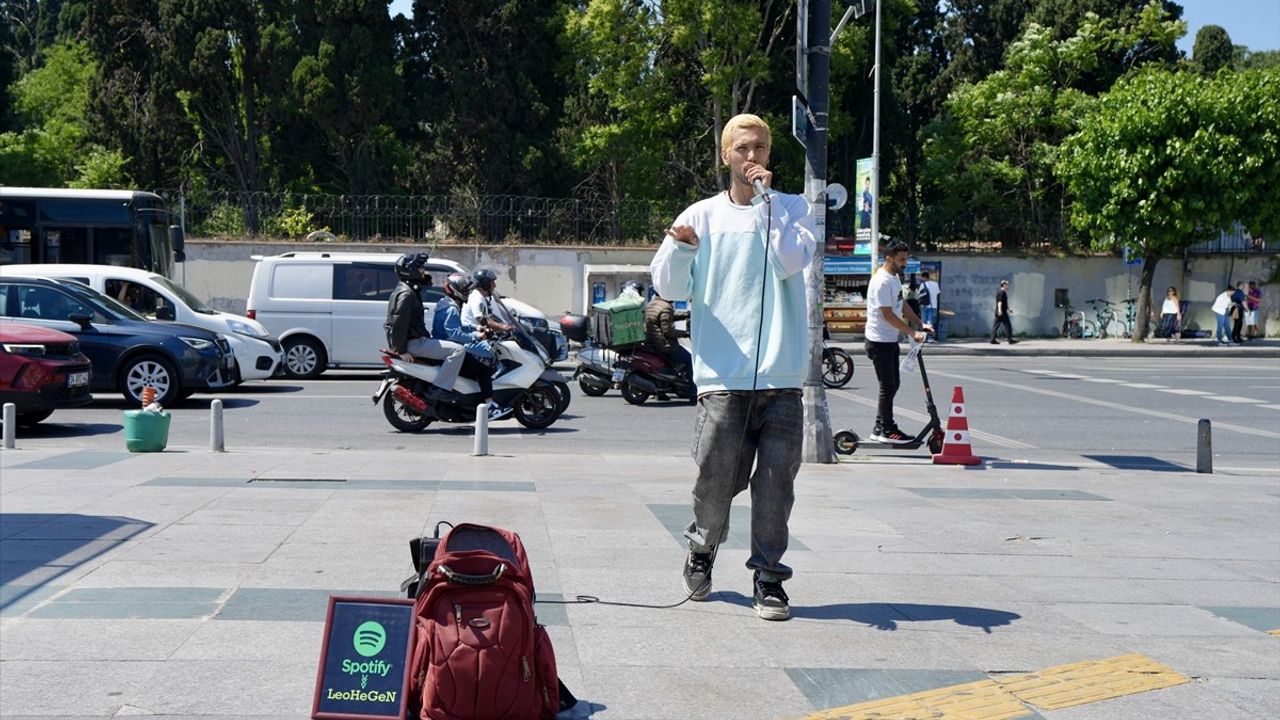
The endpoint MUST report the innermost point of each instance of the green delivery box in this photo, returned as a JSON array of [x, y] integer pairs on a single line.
[[619, 323]]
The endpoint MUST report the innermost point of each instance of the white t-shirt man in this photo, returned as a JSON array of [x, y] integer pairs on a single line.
[[478, 305], [1222, 303], [885, 290]]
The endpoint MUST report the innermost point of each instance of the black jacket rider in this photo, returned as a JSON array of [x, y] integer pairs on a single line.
[[406, 319]]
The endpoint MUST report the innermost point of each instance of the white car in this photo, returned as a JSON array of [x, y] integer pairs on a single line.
[[257, 354], [328, 308]]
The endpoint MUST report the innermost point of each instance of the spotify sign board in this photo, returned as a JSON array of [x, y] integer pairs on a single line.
[[364, 662]]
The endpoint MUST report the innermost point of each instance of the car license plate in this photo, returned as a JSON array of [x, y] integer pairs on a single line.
[[77, 379], [618, 375]]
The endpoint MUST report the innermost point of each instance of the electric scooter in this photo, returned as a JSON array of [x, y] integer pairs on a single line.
[[847, 442]]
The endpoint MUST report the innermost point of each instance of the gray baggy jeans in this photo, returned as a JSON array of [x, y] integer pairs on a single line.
[[450, 352], [735, 431]]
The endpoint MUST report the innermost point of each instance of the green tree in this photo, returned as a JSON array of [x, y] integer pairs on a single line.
[[991, 155], [53, 148], [1213, 49], [134, 105], [485, 79], [346, 83], [231, 62], [1168, 159]]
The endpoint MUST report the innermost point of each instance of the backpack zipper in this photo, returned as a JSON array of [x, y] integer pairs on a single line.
[[524, 667], [457, 613]]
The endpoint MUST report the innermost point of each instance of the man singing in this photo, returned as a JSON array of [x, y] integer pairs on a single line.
[[738, 258]]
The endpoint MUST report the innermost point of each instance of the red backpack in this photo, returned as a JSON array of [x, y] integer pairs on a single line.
[[479, 653]]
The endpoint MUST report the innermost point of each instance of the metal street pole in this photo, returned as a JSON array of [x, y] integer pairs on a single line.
[[875, 153], [818, 447]]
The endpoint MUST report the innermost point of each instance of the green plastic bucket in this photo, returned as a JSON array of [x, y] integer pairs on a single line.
[[146, 431]]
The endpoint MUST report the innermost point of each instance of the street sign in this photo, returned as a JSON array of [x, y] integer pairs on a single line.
[[837, 196], [802, 49], [364, 661], [799, 120]]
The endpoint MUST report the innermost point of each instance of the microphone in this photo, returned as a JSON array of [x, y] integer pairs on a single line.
[[759, 186]]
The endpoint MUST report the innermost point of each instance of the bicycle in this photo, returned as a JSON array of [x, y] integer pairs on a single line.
[[1108, 323], [1074, 324]]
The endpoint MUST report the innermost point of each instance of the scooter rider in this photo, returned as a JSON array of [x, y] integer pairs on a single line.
[[885, 312], [447, 323], [660, 317], [406, 327], [482, 309]]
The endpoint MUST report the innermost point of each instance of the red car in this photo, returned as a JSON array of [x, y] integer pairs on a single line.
[[41, 369]]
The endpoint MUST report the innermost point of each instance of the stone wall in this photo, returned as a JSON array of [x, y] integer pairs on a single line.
[[552, 278]]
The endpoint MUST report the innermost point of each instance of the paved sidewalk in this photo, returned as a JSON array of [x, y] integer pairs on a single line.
[[193, 584], [1261, 348]]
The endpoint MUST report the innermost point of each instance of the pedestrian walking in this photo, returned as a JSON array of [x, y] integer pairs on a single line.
[[738, 258], [1002, 315], [885, 320], [1253, 305], [1221, 306], [1171, 316], [911, 294]]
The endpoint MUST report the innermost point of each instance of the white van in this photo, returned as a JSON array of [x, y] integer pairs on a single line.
[[328, 308], [257, 354]]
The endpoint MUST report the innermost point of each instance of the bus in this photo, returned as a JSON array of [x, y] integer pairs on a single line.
[[127, 228]]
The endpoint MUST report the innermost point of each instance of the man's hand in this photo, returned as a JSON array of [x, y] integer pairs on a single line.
[[756, 172], [918, 336], [407, 357], [928, 328], [683, 234]]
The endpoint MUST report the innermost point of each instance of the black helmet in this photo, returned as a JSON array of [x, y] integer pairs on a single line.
[[458, 286], [633, 286], [411, 265], [485, 279]]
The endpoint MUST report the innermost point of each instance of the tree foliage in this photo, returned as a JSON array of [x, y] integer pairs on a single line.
[[1213, 50], [1167, 159]]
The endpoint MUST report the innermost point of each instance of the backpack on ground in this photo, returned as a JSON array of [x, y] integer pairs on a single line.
[[478, 651]]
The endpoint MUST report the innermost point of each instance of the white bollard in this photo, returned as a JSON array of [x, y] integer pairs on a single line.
[[216, 439], [481, 446], [10, 425]]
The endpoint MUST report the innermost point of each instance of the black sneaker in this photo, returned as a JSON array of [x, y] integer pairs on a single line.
[[895, 437], [697, 575], [771, 601]]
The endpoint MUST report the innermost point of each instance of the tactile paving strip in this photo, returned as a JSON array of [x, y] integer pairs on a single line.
[[1055, 688], [1086, 682], [982, 700]]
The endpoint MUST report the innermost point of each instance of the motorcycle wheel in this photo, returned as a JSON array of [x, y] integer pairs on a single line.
[[837, 368], [401, 416], [538, 407], [592, 386], [633, 395], [565, 397]]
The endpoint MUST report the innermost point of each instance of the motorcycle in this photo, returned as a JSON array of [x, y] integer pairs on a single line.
[[644, 373], [595, 369], [523, 382]]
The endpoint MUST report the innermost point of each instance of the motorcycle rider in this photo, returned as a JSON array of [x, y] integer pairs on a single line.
[[660, 317], [482, 309], [406, 327], [447, 323]]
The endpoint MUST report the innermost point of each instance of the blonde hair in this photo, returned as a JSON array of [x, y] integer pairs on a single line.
[[744, 121]]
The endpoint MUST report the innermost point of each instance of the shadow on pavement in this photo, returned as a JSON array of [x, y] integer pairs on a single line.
[[36, 549], [887, 616], [1009, 465], [1138, 462], [201, 403], [53, 429]]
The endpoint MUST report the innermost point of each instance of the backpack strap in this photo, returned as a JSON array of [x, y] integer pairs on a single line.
[[567, 700]]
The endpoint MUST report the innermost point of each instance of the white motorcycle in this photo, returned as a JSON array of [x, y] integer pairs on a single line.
[[523, 382]]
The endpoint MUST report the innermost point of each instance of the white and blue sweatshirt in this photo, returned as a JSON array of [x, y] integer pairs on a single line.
[[722, 277]]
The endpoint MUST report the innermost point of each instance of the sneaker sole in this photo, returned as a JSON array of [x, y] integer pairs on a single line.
[[771, 613], [693, 594]]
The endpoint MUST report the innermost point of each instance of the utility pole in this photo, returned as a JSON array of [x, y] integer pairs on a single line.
[[813, 68], [875, 153]]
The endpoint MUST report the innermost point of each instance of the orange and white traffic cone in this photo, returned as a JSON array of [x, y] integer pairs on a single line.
[[955, 442], [148, 395]]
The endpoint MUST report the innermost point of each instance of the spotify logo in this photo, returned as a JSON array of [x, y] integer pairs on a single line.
[[369, 639]]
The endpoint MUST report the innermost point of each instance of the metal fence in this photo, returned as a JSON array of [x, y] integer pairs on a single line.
[[433, 218], [1236, 241]]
